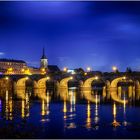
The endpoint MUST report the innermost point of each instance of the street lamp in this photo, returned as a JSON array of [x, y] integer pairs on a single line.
[[65, 69], [27, 78], [85, 73], [43, 71], [96, 77], [48, 77], [71, 77], [7, 78], [124, 77], [88, 69], [114, 68]]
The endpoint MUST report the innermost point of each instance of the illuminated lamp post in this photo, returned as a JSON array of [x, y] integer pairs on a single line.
[[88, 69], [114, 68], [65, 69], [43, 71]]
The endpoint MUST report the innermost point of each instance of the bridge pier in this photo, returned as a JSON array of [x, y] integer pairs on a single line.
[[119, 91], [83, 88], [104, 92], [63, 93], [20, 92], [130, 91], [113, 89], [39, 90]]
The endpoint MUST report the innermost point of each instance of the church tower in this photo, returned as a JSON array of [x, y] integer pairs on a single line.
[[43, 60]]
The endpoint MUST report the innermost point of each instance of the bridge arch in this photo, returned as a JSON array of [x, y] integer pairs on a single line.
[[64, 82], [40, 87], [113, 89], [21, 82], [87, 83], [115, 81], [42, 82], [20, 87]]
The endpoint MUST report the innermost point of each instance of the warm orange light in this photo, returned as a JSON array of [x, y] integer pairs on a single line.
[[27, 78], [71, 77], [27, 71], [7, 78], [124, 77], [48, 78], [85, 73], [10, 71], [114, 109], [22, 70], [96, 77], [43, 70], [65, 69]]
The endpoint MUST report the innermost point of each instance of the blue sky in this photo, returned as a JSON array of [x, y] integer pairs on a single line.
[[75, 34]]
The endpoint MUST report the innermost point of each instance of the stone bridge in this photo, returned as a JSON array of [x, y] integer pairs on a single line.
[[85, 83]]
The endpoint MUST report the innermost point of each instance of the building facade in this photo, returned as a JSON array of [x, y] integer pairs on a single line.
[[11, 66]]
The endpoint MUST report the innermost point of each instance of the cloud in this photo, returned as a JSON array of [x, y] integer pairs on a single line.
[[33, 63], [62, 59], [2, 53]]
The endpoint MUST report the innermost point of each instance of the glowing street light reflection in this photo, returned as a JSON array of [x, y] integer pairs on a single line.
[[88, 121], [115, 123]]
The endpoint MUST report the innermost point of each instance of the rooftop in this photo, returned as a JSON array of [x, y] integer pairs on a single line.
[[11, 60], [53, 68]]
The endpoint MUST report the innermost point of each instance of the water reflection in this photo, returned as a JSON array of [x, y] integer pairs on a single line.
[[63, 93], [96, 116], [88, 120], [69, 113], [115, 123], [72, 96], [124, 112], [8, 106], [25, 107], [89, 95], [45, 108], [69, 106], [22, 108], [104, 93]]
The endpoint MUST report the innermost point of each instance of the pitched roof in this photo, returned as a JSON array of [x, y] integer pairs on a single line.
[[11, 60], [53, 68]]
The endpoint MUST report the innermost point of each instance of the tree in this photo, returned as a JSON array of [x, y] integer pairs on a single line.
[[79, 71], [128, 70]]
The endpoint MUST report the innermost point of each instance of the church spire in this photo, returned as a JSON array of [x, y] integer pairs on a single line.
[[43, 55], [44, 60]]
